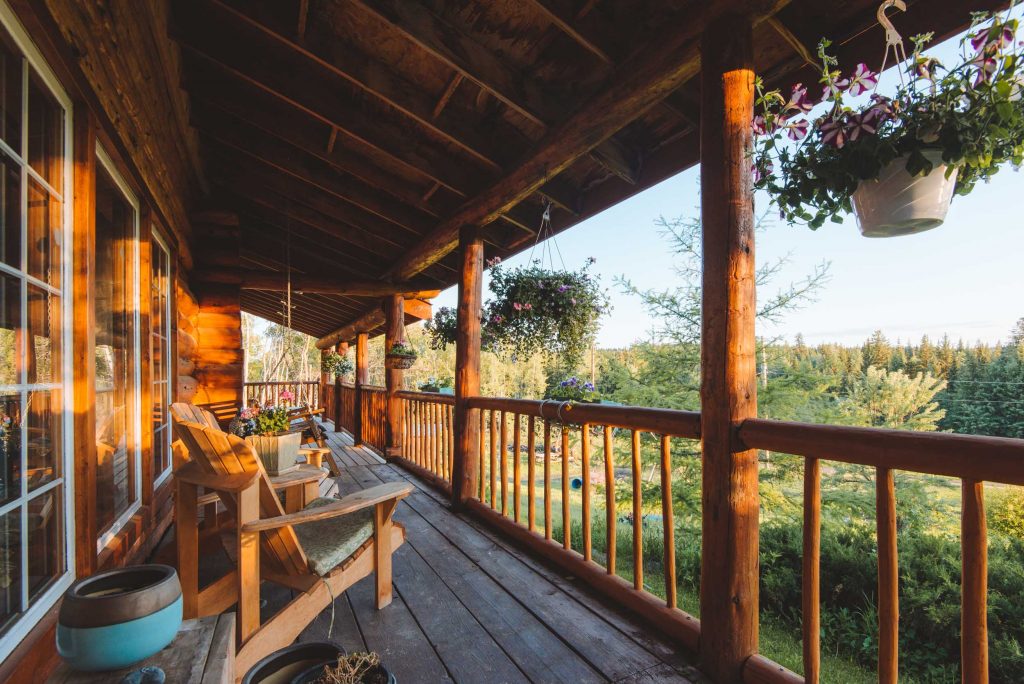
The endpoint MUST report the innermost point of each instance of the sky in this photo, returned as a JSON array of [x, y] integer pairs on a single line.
[[964, 278]]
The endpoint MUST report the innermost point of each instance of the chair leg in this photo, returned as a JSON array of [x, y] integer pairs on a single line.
[[248, 565], [186, 534], [382, 552]]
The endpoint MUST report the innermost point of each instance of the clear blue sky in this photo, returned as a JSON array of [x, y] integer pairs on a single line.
[[965, 278]]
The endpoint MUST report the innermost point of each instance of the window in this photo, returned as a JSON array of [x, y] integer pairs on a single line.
[[34, 314], [160, 355], [118, 480]]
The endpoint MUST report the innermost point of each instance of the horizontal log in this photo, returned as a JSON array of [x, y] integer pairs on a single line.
[[371, 320], [276, 281], [433, 397], [972, 457], [679, 625], [660, 421], [761, 670]]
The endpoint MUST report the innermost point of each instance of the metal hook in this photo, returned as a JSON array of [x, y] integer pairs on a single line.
[[892, 36]]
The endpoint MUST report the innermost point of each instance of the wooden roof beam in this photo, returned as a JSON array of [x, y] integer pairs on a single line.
[[477, 63], [670, 59], [277, 281], [374, 318]]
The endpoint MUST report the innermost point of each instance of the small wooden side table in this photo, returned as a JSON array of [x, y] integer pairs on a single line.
[[202, 653], [299, 486]]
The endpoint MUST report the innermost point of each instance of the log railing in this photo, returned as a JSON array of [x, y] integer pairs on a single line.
[[544, 469], [343, 407], [373, 407], [427, 436], [303, 392]]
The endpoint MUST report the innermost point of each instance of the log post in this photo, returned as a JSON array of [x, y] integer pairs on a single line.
[[729, 562], [465, 466], [362, 378], [325, 379], [342, 349], [394, 332]]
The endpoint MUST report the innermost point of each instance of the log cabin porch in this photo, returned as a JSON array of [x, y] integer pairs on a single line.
[[169, 165]]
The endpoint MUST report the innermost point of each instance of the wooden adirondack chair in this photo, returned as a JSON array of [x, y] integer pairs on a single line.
[[304, 418], [319, 551]]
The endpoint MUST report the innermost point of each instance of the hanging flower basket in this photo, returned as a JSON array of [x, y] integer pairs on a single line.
[[400, 357], [334, 363], [533, 310], [896, 161], [900, 204]]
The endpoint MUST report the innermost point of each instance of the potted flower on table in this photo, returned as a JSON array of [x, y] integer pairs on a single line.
[[895, 162], [271, 437]]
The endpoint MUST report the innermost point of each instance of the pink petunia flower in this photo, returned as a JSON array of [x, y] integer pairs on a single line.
[[833, 132], [287, 395], [860, 124], [527, 306], [517, 306], [799, 100], [834, 86]]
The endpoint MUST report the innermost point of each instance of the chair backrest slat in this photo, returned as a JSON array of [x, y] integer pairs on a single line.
[[219, 453]]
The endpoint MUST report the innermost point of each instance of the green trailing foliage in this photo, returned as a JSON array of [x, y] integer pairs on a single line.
[[336, 364], [972, 113]]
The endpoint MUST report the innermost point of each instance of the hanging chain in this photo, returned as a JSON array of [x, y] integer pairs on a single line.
[[546, 240]]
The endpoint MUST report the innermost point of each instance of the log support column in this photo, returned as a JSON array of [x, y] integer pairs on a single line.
[[729, 562], [394, 332], [362, 378], [342, 350], [466, 462]]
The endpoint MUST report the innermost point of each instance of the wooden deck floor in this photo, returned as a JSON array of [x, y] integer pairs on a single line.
[[470, 607]]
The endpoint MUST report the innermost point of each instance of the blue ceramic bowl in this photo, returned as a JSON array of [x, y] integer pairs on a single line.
[[116, 618]]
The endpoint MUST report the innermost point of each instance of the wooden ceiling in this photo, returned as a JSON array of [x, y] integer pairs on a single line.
[[355, 137]]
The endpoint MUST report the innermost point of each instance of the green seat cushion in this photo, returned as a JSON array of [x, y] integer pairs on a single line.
[[329, 542]]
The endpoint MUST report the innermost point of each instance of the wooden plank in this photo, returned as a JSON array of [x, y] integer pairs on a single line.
[[508, 620], [466, 649], [974, 584], [729, 557]]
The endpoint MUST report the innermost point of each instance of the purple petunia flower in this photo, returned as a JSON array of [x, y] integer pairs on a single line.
[[799, 100], [833, 132], [563, 288], [797, 130], [860, 124], [834, 86], [987, 66], [862, 80]]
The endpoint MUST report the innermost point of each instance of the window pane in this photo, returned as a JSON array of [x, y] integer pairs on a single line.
[[10, 212], [10, 565], [43, 411], [10, 92], [10, 325], [45, 133], [43, 360], [45, 541], [43, 234], [10, 446], [115, 345]]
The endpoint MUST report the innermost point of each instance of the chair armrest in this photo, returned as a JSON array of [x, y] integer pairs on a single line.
[[391, 491], [192, 474], [317, 412]]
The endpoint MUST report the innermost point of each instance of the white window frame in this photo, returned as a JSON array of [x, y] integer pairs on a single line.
[[34, 62], [159, 478], [135, 353]]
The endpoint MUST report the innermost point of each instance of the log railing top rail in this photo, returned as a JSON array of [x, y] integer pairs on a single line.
[[661, 421], [426, 396]]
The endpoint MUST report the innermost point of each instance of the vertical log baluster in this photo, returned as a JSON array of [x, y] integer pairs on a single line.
[[504, 464], [483, 454], [667, 522], [494, 459], [450, 414], [547, 479], [811, 589], [566, 522], [609, 499], [888, 578], [531, 474], [585, 468], [974, 584], [638, 520], [517, 443], [435, 420]]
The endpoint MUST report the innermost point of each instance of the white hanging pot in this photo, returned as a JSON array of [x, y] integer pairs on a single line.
[[900, 204]]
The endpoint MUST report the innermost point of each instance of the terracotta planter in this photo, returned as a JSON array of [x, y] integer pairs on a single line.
[[399, 362], [900, 204], [277, 452]]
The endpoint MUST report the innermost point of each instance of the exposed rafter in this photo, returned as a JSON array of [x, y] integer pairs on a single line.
[[278, 281], [374, 318]]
